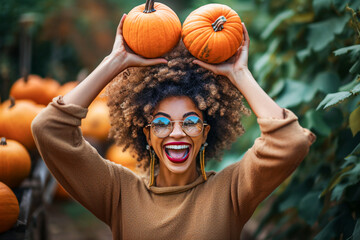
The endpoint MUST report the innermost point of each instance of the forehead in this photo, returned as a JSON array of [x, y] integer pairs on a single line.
[[177, 106]]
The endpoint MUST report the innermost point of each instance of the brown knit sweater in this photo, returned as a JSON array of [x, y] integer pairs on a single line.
[[215, 209]]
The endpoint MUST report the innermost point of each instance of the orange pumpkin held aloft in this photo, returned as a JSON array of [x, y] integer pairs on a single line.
[[9, 208], [152, 29], [212, 33], [15, 162], [16, 118], [127, 159], [40, 90]]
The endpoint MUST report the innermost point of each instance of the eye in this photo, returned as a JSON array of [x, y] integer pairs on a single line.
[[161, 122], [191, 121]]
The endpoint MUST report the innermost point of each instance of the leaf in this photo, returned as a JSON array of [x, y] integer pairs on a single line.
[[341, 51], [356, 233], [302, 54], [338, 192], [262, 62], [333, 99], [314, 120], [295, 92], [341, 227], [351, 85], [341, 4], [327, 82], [321, 4], [356, 151], [306, 17], [310, 207], [336, 180], [354, 174], [329, 231], [277, 88], [353, 4], [350, 177], [354, 121], [355, 68], [356, 89], [323, 33], [276, 22]]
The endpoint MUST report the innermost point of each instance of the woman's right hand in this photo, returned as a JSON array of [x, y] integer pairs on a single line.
[[126, 56], [120, 58]]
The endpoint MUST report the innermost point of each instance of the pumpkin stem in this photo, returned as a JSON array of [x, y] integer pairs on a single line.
[[3, 141], [149, 6], [218, 25], [12, 102]]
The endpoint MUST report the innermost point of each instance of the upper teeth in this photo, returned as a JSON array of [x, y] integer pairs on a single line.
[[177, 146]]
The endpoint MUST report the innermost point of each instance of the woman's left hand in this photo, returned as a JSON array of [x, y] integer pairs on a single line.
[[236, 64]]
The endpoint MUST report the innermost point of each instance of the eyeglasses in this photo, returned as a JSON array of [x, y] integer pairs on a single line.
[[192, 126]]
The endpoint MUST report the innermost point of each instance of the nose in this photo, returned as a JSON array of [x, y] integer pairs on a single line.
[[177, 131]]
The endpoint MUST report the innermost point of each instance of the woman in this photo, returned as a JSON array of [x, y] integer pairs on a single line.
[[170, 113]]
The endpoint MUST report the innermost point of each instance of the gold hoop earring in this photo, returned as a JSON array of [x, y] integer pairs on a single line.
[[152, 165], [202, 161]]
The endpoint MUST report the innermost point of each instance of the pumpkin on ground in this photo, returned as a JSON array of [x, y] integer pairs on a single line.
[[97, 121], [40, 90], [15, 162], [16, 118], [212, 33], [67, 87], [152, 29], [9, 208], [127, 159], [102, 96], [61, 193]]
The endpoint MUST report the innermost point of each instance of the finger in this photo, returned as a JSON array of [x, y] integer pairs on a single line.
[[153, 61], [120, 26], [207, 66]]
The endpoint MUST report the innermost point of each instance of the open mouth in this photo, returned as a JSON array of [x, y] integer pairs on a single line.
[[177, 153]]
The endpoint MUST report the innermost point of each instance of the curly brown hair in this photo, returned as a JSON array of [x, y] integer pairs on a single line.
[[134, 94]]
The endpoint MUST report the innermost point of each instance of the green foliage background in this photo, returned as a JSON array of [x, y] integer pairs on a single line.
[[304, 53]]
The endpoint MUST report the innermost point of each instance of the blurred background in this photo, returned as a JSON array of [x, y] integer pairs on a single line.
[[304, 53]]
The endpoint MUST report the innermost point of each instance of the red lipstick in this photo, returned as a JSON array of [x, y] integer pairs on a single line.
[[179, 153]]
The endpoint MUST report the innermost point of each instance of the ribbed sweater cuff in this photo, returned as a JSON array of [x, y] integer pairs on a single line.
[[71, 109]]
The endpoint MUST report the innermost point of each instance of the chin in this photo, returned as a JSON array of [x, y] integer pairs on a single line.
[[178, 168]]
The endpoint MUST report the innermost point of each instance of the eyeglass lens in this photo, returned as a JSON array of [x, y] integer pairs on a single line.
[[162, 127]]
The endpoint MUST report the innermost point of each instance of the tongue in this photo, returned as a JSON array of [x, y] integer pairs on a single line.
[[178, 154]]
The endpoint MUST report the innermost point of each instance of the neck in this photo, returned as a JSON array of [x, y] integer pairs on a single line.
[[167, 178]]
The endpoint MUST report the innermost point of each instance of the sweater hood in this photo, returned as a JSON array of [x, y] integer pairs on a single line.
[[178, 189]]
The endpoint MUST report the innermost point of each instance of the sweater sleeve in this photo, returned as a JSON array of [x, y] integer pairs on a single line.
[[282, 146], [77, 166]]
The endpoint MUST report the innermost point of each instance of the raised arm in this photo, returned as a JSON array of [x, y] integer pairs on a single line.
[[236, 69], [283, 143], [118, 60], [90, 179]]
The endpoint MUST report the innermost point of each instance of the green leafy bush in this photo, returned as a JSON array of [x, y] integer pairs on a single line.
[[308, 59]]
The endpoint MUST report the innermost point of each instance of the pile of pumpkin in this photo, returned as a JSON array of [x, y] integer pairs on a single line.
[[27, 99]]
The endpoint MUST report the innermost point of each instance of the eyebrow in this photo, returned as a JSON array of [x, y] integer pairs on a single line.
[[184, 116]]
